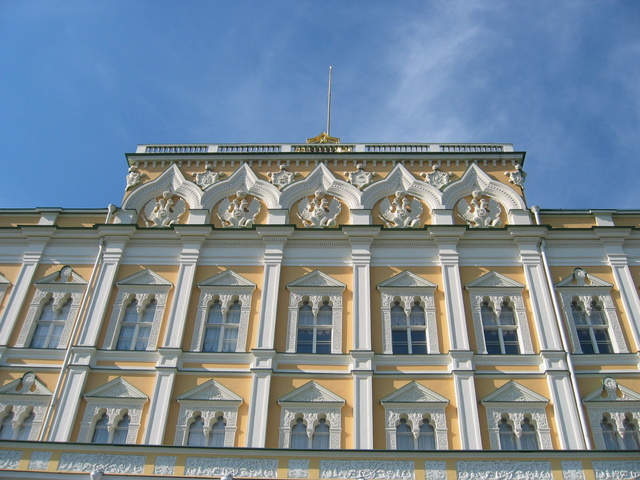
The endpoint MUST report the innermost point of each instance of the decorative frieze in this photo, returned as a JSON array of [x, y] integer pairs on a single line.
[[164, 465], [435, 470], [238, 467], [10, 459], [39, 461], [616, 470], [401, 212], [298, 468], [504, 470], [107, 463], [572, 470], [368, 469]]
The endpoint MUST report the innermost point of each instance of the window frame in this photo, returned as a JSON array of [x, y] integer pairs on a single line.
[[143, 287], [210, 401], [116, 398], [497, 288], [225, 287], [62, 286], [407, 286], [316, 286], [416, 403], [587, 288], [24, 396]]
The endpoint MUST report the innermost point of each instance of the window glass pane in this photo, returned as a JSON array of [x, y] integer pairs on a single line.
[[397, 315], [323, 341], [100, 432], [56, 333], [125, 338], [211, 339], [507, 437], [404, 436], [143, 338], [320, 439], [131, 313], [63, 314], [603, 341], [216, 437], [6, 429], [196, 433], [510, 341], [579, 316], [299, 438], [149, 312], [47, 313], [230, 339], [597, 315], [427, 438], [528, 437], [506, 315], [417, 315], [305, 340], [585, 340], [325, 316], [487, 314], [25, 429], [399, 342], [233, 314], [215, 313], [418, 342], [122, 430], [492, 342], [305, 316], [40, 335], [631, 439], [609, 435]]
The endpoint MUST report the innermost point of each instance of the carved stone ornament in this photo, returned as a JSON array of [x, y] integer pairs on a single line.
[[435, 470], [504, 470], [480, 213], [616, 470], [208, 177], [10, 459], [437, 178], [359, 177], [282, 178], [134, 178], [368, 469], [164, 465], [518, 176], [237, 467], [572, 470], [39, 460], [298, 468], [238, 212], [164, 211], [318, 212], [107, 463], [400, 212]]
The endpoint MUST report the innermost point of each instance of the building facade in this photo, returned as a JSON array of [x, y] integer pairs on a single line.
[[320, 310]]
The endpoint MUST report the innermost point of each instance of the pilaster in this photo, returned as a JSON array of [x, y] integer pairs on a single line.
[[462, 369], [37, 239], [362, 372], [166, 369], [261, 372]]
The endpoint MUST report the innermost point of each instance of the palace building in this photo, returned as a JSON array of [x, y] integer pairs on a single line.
[[320, 310]]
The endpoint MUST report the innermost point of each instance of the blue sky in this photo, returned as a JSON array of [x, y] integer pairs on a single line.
[[85, 81]]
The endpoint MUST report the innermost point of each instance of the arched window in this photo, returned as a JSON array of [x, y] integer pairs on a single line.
[[26, 426], [196, 433], [320, 439], [631, 437], [592, 328], [50, 325], [221, 329], [404, 436], [529, 436], [216, 437], [507, 437], [101, 430], [6, 428], [122, 430], [609, 434], [427, 437], [299, 438], [314, 329], [408, 332], [500, 332], [136, 326]]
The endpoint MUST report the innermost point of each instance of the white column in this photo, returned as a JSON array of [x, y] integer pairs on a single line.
[[541, 304], [66, 412], [362, 373], [564, 406], [466, 399], [166, 368], [37, 239], [614, 251], [261, 373]]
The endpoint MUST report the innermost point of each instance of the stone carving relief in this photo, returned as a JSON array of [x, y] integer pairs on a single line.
[[164, 211], [504, 470], [407, 300], [10, 459], [134, 178], [238, 212], [209, 411], [518, 176], [318, 212], [115, 410], [400, 212], [208, 177], [39, 461], [310, 414], [368, 469], [616, 470], [359, 177], [164, 465], [316, 301], [437, 178], [238, 467], [515, 417], [298, 468], [572, 470], [107, 463], [415, 417], [282, 178], [480, 213], [435, 470]]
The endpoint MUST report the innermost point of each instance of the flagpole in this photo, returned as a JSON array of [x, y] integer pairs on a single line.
[[329, 102]]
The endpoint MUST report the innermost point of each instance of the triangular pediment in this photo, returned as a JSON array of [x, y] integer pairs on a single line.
[[227, 278], [116, 388], [145, 277], [64, 276], [27, 385], [494, 279], [513, 392], [311, 393], [210, 391], [4, 281], [581, 279], [619, 394], [414, 393], [407, 279], [316, 279]]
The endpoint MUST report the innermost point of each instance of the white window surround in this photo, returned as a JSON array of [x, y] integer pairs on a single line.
[[224, 287], [4, 285], [61, 286], [209, 401], [514, 402], [585, 287], [24, 396], [616, 401], [497, 288], [416, 403], [316, 286], [311, 402], [116, 398], [144, 287], [407, 286]]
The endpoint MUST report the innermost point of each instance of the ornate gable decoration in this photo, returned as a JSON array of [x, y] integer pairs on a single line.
[[316, 280], [117, 388], [144, 278], [494, 280], [210, 391], [414, 393], [28, 385], [581, 279], [228, 279], [512, 392], [66, 276], [612, 391], [4, 283], [311, 392], [407, 282]]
